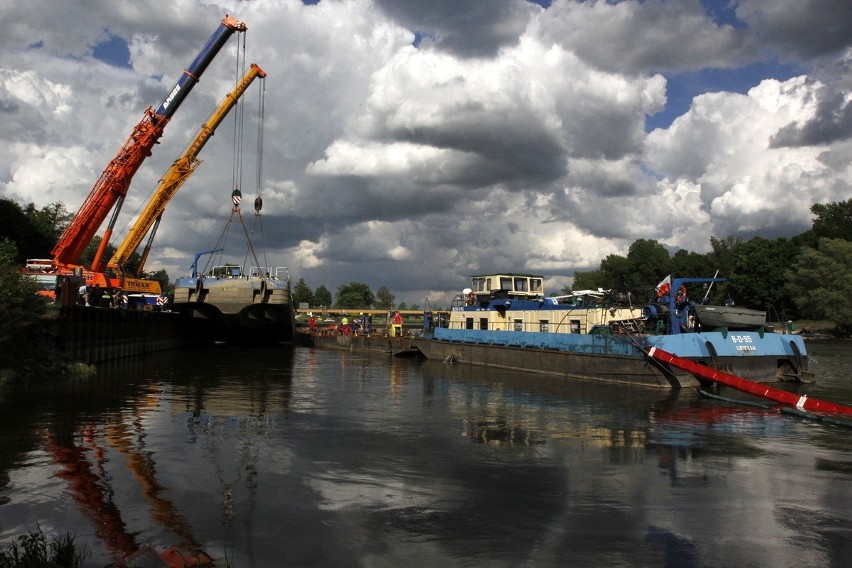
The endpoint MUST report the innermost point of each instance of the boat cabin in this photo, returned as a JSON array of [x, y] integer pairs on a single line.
[[507, 286], [516, 302]]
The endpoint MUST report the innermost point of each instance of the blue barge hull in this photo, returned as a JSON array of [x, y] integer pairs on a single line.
[[757, 356]]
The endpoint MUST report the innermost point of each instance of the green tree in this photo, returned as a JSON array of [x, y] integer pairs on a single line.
[[614, 273], [91, 250], [820, 285], [354, 295], [591, 280], [25, 340], [131, 267], [721, 257], [691, 265], [28, 229], [757, 277], [162, 277], [384, 298], [302, 293], [322, 297], [833, 220], [50, 220], [648, 262]]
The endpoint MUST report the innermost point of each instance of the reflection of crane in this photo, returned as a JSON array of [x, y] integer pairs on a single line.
[[87, 488], [174, 178], [109, 191], [90, 485], [142, 466]]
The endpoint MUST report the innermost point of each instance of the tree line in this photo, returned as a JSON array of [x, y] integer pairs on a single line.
[[803, 277], [33, 232], [349, 296]]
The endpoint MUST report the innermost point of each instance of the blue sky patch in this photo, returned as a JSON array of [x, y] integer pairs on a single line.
[[113, 51], [683, 87]]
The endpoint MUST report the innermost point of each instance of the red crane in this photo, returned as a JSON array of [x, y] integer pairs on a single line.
[[109, 191]]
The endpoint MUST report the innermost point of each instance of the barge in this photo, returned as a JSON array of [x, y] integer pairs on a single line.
[[505, 321]]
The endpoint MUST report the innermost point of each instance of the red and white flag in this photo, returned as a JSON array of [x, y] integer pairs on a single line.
[[664, 286]]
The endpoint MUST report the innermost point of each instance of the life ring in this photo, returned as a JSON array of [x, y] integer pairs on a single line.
[[681, 294], [471, 298]]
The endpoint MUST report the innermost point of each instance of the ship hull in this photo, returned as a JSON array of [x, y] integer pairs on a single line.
[[378, 344], [238, 310], [621, 359]]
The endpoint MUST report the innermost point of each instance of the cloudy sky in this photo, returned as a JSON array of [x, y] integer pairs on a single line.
[[410, 144]]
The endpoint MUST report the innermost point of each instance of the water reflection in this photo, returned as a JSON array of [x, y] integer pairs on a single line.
[[326, 458]]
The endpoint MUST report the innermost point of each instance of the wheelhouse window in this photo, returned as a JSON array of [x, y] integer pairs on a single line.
[[481, 284], [505, 282], [521, 284]]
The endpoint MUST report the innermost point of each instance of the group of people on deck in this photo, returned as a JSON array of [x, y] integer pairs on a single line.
[[362, 325]]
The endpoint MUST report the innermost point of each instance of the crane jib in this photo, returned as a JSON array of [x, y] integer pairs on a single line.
[[202, 60]]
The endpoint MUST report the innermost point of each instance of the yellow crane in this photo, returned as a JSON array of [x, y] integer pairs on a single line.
[[174, 178]]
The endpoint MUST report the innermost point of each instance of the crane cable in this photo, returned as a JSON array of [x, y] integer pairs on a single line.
[[237, 173], [258, 201]]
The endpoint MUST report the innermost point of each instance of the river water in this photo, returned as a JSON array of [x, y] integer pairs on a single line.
[[310, 457]]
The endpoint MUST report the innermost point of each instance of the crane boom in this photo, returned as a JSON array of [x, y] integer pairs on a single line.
[[178, 173], [114, 182]]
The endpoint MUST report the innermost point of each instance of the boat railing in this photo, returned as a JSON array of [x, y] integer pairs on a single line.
[[282, 270], [226, 271], [269, 272], [618, 327]]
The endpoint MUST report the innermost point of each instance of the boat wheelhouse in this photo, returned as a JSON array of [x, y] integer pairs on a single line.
[[516, 302]]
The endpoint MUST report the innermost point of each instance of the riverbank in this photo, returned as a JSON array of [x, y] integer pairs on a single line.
[[818, 330]]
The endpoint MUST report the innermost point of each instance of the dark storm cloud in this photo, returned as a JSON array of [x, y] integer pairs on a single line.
[[804, 28], [530, 154], [467, 29], [638, 37], [832, 122]]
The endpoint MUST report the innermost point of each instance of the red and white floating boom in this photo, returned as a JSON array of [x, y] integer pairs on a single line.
[[801, 402]]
